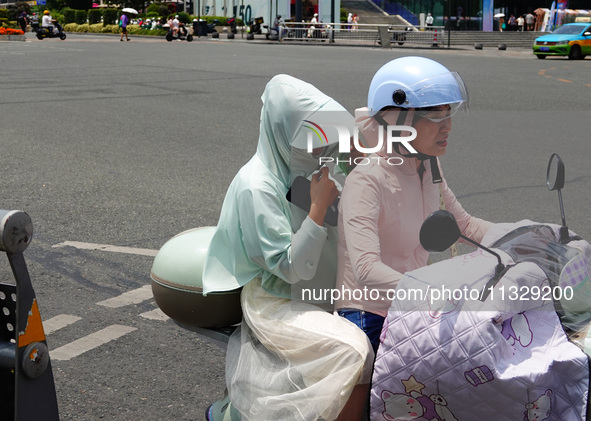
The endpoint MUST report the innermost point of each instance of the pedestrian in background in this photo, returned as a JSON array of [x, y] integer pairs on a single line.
[[355, 22], [22, 20], [123, 21], [511, 23], [429, 21], [520, 22], [529, 21]]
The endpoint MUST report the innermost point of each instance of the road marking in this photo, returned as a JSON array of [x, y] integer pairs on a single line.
[[135, 296], [564, 80], [107, 247], [58, 322], [89, 342], [155, 314]]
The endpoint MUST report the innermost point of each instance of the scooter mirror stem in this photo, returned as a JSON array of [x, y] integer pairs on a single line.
[[564, 237]]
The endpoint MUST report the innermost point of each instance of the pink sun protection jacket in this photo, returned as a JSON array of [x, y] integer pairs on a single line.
[[381, 211]]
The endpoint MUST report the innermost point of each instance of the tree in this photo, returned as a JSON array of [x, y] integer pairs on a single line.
[[78, 4], [136, 4]]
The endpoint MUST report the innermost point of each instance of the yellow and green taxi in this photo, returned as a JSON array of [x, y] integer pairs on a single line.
[[572, 40]]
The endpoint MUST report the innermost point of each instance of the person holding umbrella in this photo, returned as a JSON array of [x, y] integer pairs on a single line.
[[124, 21]]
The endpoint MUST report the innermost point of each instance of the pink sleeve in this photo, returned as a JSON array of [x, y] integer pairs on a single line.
[[360, 207], [471, 227]]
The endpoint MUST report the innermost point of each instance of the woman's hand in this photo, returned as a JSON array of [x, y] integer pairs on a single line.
[[323, 193]]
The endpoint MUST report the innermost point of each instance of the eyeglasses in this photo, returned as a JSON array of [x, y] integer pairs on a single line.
[[438, 114]]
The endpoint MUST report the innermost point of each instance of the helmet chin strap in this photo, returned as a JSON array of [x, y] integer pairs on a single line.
[[435, 173]]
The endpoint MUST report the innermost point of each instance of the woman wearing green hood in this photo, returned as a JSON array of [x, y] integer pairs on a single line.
[[290, 359]]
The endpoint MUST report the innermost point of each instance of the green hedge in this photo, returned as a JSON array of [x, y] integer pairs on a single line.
[[223, 20], [94, 16], [109, 16], [99, 28], [69, 15], [159, 9], [184, 17], [81, 17]]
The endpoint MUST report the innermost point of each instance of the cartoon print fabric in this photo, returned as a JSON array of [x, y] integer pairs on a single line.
[[461, 359]]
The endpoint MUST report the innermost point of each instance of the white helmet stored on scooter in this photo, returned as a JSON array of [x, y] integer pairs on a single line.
[[415, 82]]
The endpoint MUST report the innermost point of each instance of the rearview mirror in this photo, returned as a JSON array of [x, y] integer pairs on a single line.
[[439, 231], [555, 174]]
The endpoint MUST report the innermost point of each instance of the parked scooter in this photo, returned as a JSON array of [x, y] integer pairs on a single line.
[[255, 25], [399, 36], [201, 28], [232, 24], [182, 34], [43, 32], [535, 258]]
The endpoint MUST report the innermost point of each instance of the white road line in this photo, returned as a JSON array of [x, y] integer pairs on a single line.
[[89, 342], [155, 314], [107, 247], [135, 296], [58, 322]]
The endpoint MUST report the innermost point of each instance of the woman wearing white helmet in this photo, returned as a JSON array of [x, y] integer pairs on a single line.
[[385, 201]]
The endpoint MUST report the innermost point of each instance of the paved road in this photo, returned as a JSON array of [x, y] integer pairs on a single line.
[[128, 143]]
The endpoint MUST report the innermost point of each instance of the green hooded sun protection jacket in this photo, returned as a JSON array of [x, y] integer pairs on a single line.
[[255, 236]]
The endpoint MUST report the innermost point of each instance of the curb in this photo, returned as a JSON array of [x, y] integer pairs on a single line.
[[12, 37]]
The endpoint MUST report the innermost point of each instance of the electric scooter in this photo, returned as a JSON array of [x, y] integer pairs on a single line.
[[545, 261], [182, 34], [502, 332], [43, 33]]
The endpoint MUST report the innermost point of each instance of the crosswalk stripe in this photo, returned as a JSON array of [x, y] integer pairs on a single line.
[[155, 314], [89, 342], [107, 247], [58, 322], [135, 296]]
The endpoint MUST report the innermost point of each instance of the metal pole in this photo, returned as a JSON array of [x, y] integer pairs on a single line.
[[332, 19], [298, 11]]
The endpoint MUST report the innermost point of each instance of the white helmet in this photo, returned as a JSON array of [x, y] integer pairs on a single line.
[[415, 82]]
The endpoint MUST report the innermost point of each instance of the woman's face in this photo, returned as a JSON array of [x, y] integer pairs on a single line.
[[433, 129], [432, 126]]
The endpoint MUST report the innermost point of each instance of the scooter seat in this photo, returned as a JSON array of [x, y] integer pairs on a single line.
[[177, 284]]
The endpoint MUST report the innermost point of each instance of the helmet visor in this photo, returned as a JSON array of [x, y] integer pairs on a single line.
[[438, 113], [447, 88]]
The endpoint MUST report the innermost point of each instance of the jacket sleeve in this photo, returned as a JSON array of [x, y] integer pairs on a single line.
[[269, 241], [471, 227], [360, 207]]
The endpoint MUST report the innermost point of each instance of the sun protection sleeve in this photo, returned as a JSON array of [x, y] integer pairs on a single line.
[[269, 242], [470, 226]]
